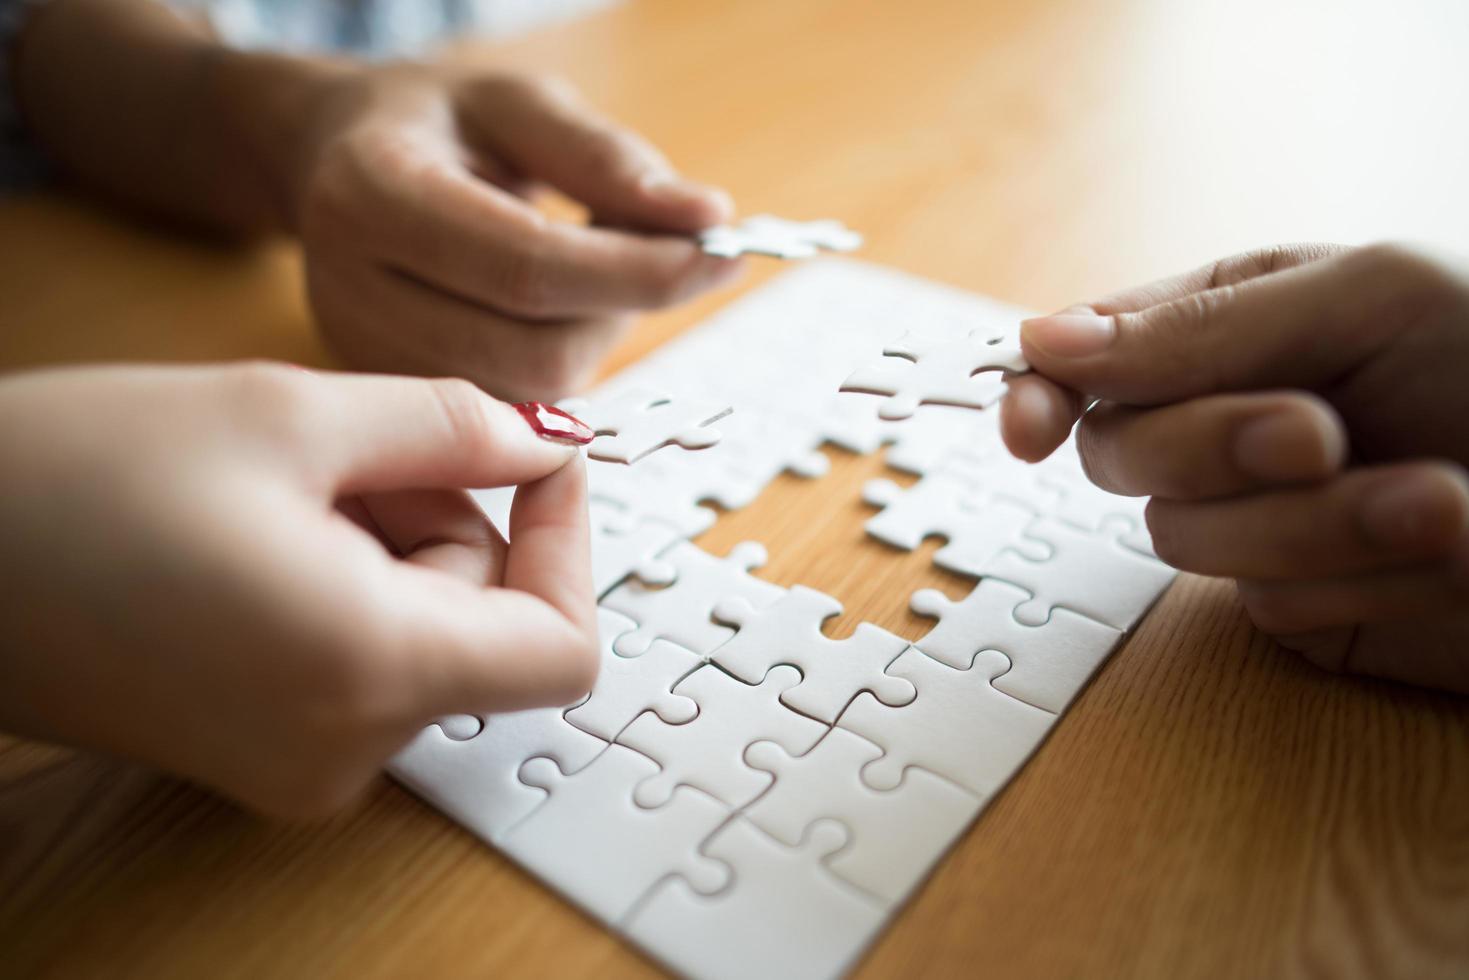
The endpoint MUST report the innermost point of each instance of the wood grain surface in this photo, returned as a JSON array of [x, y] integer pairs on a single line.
[[1210, 806]]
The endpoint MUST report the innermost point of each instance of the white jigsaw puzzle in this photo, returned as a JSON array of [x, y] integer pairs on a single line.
[[918, 370], [788, 631], [683, 611], [601, 849], [694, 882], [896, 833], [626, 687], [633, 423], [1049, 662], [1093, 574], [709, 752], [959, 726], [765, 234], [784, 914]]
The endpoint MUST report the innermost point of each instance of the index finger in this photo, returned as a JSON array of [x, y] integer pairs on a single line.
[[1297, 328], [474, 240]]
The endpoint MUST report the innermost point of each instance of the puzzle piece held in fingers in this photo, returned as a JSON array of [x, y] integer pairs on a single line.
[[928, 371], [634, 423], [765, 234]]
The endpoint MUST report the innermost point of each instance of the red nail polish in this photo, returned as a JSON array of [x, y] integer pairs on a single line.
[[552, 423]]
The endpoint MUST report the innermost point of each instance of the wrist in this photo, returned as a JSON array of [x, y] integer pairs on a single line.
[[270, 110]]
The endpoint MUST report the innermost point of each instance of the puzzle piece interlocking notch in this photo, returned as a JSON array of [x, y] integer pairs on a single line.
[[917, 370], [625, 688], [633, 423], [708, 752], [738, 931], [788, 631], [895, 833], [681, 610], [606, 864], [945, 503]]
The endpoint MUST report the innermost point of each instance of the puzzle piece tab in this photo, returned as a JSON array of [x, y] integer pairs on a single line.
[[765, 234], [709, 752], [927, 371], [476, 780], [788, 631], [634, 423], [784, 915]]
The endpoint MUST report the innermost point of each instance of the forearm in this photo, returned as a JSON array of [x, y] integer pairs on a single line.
[[142, 106]]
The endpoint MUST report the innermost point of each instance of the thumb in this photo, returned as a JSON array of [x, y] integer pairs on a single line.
[[379, 433], [544, 130], [1298, 328]]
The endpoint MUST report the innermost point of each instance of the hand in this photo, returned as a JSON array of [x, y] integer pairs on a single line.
[[266, 580], [1300, 417], [422, 254]]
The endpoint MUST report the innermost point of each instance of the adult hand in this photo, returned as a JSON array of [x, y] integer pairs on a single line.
[[407, 184], [424, 255], [266, 579], [1300, 418]]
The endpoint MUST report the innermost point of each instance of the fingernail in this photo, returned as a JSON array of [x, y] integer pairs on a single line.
[[1281, 446], [550, 422], [1417, 511], [1069, 334]]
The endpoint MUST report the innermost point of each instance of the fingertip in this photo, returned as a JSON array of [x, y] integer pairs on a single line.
[[686, 205], [1065, 336], [1035, 418]]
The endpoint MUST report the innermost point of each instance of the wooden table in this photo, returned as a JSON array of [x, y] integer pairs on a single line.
[[1209, 807]]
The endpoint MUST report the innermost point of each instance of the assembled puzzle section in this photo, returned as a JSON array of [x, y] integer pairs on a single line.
[[739, 794]]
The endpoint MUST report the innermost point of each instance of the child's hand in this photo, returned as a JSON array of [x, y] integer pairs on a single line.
[[423, 256], [1300, 417], [267, 580]]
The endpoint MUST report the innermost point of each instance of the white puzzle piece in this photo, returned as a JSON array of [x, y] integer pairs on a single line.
[[476, 780], [1049, 663], [683, 611], [788, 631], [765, 234], [943, 503], [634, 423], [1092, 574], [709, 752], [939, 371], [783, 915], [603, 851], [625, 688], [645, 493], [959, 726], [896, 834], [618, 554]]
